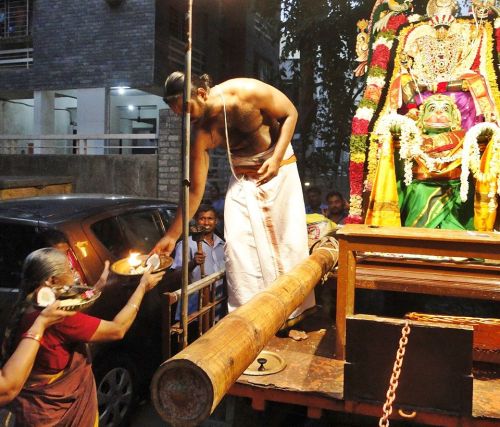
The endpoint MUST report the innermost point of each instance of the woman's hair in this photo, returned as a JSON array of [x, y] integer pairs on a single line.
[[38, 267], [174, 85]]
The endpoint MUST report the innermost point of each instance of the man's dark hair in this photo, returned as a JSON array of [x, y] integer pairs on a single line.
[[51, 237], [174, 85], [335, 193], [205, 208], [313, 189]]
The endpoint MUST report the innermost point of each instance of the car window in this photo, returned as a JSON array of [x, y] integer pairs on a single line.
[[109, 232], [167, 215], [141, 229], [16, 242]]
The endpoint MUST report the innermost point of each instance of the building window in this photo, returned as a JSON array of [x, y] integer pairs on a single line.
[[15, 18], [177, 24], [263, 69], [16, 49]]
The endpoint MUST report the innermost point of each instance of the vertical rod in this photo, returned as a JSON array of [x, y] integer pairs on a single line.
[[186, 144]]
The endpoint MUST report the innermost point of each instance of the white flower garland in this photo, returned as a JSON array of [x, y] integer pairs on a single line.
[[364, 113], [410, 139], [375, 81], [471, 161], [383, 41], [411, 148]]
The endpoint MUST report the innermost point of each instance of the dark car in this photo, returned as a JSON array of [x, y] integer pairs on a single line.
[[98, 228]]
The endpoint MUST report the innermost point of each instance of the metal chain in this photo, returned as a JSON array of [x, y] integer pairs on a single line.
[[396, 372]]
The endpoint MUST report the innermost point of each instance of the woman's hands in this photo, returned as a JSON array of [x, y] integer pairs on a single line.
[[150, 280], [104, 277], [53, 314]]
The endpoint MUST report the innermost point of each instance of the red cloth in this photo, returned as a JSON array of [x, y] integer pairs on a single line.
[[442, 87], [69, 401], [57, 343]]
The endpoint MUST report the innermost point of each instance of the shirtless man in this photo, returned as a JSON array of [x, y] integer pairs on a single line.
[[265, 227]]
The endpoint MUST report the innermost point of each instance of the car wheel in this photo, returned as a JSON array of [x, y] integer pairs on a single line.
[[116, 390]]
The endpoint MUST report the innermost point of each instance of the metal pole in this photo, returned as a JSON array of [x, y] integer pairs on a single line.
[[186, 144]]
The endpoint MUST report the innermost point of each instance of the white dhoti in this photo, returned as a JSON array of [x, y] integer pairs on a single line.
[[265, 231]]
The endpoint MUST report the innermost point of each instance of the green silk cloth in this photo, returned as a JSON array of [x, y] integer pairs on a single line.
[[435, 204]]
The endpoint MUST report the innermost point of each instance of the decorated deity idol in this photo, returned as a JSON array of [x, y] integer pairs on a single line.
[[437, 116]]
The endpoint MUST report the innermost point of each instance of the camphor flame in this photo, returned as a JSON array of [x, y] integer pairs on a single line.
[[134, 260]]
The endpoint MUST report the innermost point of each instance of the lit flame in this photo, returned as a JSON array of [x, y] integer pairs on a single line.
[[134, 260]]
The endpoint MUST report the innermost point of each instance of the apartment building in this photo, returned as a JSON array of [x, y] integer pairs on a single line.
[[97, 67]]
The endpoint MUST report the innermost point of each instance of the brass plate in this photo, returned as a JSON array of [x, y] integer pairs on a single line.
[[274, 364], [122, 267]]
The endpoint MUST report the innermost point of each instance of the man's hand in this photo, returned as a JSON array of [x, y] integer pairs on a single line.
[[165, 245], [199, 258], [268, 170]]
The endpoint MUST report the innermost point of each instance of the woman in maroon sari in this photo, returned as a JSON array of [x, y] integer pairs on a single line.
[[61, 388]]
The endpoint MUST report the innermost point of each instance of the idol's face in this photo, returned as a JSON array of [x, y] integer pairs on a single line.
[[439, 113]]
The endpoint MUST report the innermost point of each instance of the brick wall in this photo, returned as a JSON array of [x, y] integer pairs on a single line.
[[169, 155], [88, 44]]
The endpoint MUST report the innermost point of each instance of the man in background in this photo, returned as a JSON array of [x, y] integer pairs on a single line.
[[336, 210], [211, 256], [313, 199]]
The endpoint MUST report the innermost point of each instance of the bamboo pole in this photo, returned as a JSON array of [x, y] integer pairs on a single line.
[[186, 147], [187, 388]]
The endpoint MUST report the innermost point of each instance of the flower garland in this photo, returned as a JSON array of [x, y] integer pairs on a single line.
[[410, 140], [471, 161], [375, 83]]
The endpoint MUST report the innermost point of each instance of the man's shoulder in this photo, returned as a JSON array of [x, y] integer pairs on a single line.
[[218, 240], [240, 86]]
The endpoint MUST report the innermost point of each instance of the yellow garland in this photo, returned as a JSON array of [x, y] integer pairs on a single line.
[[357, 157], [372, 161], [490, 68]]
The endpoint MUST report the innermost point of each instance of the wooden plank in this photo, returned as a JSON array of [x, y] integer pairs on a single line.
[[345, 294], [16, 193], [428, 281], [418, 234], [403, 240]]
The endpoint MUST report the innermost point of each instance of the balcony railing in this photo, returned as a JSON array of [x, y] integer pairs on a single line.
[[118, 143], [16, 58]]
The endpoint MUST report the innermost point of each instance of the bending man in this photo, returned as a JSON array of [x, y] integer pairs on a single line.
[[264, 212]]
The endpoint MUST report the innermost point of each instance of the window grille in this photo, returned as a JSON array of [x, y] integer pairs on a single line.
[[15, 33]]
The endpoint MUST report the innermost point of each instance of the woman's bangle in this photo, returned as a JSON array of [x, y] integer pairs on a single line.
[[134, 305], [32, 336]]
